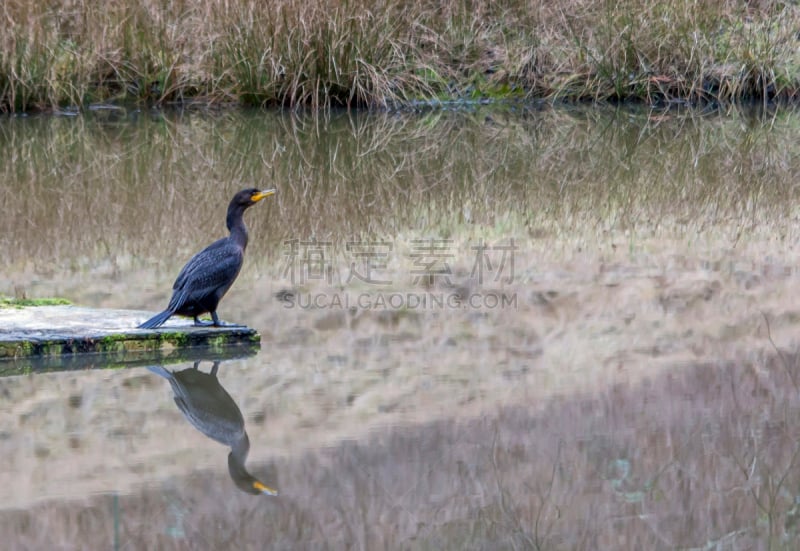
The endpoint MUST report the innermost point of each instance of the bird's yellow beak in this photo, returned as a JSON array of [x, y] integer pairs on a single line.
[[262, 194], [258, 485]]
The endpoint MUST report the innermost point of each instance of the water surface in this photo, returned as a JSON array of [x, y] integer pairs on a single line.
[[633, 387]]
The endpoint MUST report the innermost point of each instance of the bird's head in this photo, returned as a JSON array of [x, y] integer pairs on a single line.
[[244, 480], [251, 196], [256, 487]]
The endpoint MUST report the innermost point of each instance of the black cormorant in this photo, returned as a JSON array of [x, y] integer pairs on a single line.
[[210, 273], [212, 411]]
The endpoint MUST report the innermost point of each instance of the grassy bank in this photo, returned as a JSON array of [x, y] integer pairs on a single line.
[[373, 53]]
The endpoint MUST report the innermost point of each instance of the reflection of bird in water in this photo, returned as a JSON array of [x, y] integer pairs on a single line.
[[210, 273], [212, 411]]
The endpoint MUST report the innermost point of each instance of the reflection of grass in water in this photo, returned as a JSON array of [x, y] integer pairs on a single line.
[[100, 192], [706, 455]]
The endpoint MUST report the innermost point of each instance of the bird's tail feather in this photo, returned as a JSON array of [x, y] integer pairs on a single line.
[[157, 320], [158, 370]]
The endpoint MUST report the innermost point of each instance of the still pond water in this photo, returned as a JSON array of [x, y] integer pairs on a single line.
[[532, 329]]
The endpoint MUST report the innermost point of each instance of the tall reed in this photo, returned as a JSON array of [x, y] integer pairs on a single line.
[[72, 53]]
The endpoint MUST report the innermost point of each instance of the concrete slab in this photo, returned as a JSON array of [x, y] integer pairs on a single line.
[[74, 337]]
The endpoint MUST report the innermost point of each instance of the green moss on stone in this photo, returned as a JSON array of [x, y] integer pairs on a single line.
[[52, 349], [111, 343], [7, 349], [176, 338], [218, 341], [8, 302]]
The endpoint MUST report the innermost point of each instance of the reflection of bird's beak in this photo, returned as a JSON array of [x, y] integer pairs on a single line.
[[264, 489], [261, 194]]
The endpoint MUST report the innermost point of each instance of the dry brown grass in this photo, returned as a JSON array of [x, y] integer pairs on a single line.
[[374, 53]]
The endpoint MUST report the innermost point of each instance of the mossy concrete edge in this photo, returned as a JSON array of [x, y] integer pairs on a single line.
[[58, 334]]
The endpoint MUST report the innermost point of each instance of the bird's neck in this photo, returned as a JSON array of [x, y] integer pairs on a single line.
[[239, 451], [235, 223]]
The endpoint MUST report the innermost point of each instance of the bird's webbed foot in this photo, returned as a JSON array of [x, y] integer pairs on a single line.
[[203, 323], [215, 322], [228, 324]]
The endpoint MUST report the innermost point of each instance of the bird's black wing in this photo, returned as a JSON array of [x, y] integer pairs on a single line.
[[212, 270]]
